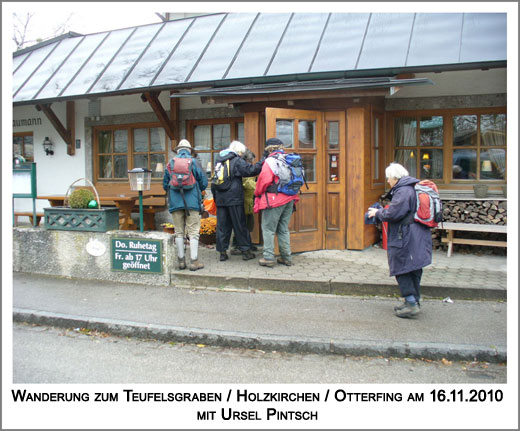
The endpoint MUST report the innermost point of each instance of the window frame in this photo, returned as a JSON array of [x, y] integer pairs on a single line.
[[380, 179], [447, 147], [130, 153], [233, 123], [23, 135]]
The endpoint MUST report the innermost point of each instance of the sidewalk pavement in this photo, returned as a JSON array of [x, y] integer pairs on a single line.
[[240, 304], [350, 272]]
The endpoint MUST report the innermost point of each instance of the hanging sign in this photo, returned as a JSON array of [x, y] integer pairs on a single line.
[[136, 255]]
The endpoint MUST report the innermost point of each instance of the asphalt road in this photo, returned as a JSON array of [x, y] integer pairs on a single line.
[[44, 354]]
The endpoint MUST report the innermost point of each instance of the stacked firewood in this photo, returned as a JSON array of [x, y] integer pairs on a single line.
[[476, 212]]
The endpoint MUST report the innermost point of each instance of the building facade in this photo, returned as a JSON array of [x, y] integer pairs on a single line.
[[349, 92]]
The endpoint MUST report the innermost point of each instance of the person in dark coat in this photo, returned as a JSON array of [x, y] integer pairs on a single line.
[[409, 244], [186, 219], [230, 203]]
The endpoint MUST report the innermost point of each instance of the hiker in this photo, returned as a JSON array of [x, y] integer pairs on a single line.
[[228, 192], [249, 184], [185, 204], [409, 243], [276, 207]]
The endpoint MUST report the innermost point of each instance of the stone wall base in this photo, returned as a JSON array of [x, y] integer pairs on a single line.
[[64, 254]]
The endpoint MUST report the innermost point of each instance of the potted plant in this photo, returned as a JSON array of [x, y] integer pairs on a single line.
[[480, 190], [83, 213], [208, 230], [168, 228]]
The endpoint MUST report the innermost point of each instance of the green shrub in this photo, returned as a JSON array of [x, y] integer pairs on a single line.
[[80, 198]]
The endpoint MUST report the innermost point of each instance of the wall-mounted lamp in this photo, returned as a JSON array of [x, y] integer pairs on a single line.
[[47, 146], [486, 166], [426, 156], [412, 155]]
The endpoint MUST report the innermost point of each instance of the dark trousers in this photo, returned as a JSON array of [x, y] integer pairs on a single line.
[[232, 218], [250, 224], [410, 283]]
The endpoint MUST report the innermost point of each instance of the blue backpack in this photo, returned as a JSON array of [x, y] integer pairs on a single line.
[[290, 173]]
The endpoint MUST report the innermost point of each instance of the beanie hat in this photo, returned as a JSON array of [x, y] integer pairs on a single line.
[[273, 142], [183, 144]]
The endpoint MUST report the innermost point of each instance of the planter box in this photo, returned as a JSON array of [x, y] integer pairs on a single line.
[[76, 219]]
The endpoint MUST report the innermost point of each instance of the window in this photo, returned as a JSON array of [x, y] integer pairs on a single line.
[[452, 147], [333, 151], [417, 140], [23, 146], [121, 148], [479, 147], [209, 137]]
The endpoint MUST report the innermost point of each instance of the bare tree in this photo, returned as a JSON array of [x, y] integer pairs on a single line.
[[22, 24]]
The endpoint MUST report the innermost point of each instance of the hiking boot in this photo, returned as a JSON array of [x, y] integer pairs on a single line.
[[248, 255], [235, 252], [181, 263], [266, 262], [403, 304], [408, 310], [284, 261], [223, 256], [400, 307], [195, 265]]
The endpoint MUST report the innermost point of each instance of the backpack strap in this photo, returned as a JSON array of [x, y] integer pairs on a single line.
[[186, 210], [273, 187]]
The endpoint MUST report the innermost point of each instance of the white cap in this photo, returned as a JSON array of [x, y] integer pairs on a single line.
[[183, 144]]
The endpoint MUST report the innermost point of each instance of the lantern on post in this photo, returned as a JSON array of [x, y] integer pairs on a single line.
[[140, 179]]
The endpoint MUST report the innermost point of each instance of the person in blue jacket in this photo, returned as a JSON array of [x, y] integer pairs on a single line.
[[409, 243], [182, 221]]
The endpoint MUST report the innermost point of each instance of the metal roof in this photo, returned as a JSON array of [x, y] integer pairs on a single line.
[[240, 48]]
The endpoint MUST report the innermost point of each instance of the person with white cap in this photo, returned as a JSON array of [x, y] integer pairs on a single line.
[[184, 182]]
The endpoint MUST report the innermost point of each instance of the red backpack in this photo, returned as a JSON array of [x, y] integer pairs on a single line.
[[181, 173], [429, 206]]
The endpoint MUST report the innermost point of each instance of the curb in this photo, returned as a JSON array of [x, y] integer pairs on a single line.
[[294, 344], [332, 287]]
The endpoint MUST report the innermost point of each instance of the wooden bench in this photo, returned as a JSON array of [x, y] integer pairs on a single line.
[[451, 228], [28, 214]]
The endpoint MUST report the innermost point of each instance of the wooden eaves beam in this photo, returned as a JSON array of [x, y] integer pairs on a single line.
[[153, 99], [66, 133]]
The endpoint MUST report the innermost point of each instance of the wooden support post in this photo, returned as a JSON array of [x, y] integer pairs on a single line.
[[71, 128], [175, 119], [153, 100], [356, 136]]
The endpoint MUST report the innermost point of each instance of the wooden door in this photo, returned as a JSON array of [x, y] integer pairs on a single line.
[[302, 132], [336, 181]]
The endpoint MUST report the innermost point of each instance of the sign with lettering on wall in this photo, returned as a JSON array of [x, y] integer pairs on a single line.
[[136, 255]]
